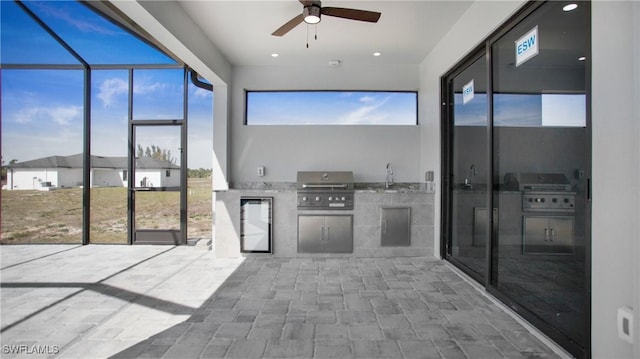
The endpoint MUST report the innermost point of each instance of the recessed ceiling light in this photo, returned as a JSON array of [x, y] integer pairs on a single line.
[[274, 55], [570, 7], [376, 54], [581, 58]]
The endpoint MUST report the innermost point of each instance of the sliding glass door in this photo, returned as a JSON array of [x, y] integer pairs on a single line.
[[520, 145], [467, 173]]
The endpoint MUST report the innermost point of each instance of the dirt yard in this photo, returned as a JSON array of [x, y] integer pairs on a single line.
[[56, 216]]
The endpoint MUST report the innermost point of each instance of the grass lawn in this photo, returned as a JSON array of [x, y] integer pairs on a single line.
[[56, 216]]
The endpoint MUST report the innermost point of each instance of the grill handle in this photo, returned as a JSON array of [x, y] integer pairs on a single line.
[[324, 186]]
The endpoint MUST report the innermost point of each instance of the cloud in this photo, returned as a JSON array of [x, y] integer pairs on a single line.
[[78, 23], [366, 113], [111, 88], [62, 115], [200, 93], [144, 89], [65, 115]]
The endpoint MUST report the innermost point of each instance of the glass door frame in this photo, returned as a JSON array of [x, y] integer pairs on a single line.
[[446, 115], [165, 236]]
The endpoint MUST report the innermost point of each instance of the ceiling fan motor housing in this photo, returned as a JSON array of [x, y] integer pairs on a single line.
[[311, 14]]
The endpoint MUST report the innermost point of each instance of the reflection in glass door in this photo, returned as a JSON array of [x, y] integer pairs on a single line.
[[467, 171], [523, 149], [156, 184], [540, 168]]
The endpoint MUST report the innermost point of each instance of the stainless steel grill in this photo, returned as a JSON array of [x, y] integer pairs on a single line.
[[544, 192], [320, 190]]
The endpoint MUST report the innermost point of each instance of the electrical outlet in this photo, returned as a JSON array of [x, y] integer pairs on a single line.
[[260, 171], [428, 176], [625, 324]]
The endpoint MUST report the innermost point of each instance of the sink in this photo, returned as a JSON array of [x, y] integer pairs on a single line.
[[470, 187]]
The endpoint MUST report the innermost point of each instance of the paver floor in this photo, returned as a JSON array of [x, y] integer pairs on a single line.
[[180, 302]]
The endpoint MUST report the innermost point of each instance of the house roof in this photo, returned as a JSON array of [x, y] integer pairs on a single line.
[[75, 161]]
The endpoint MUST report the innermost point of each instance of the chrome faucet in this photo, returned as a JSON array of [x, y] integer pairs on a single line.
[[389, 180], [472, 173]]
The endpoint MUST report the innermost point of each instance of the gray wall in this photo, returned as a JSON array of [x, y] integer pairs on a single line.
[[616, 170], [283, 150]]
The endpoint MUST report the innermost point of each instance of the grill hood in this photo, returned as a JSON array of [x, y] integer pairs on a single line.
[[538, 181], [310, 180]]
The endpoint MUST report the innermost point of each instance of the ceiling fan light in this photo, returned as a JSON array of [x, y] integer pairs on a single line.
[[311, 14]]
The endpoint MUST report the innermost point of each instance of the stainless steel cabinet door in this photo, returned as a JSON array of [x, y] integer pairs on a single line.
[[561, 235], [536, 235], [395, 226], [338, 234], [310, 234], [548, 235]]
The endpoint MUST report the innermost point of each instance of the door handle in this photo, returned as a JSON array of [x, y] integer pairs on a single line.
[[384, 227]]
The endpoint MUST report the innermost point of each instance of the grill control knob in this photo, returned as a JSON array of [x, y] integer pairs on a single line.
[[343, 199], [304, 199], [331, 198], [317, 199]]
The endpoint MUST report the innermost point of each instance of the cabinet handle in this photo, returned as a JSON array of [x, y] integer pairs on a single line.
[[553, 235], [322, 233], [546, 234], [384, 227], [328, 235]]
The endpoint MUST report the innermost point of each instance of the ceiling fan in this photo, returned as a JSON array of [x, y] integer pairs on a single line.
[[312, 10]]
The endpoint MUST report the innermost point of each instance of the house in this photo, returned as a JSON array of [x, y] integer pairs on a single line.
[[66, 172]]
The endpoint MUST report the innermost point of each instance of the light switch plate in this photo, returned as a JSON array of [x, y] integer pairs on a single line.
[[625, 324], [260, 171]]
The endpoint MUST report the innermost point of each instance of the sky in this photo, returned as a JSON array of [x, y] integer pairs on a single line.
[[42, 110], [332, 108]]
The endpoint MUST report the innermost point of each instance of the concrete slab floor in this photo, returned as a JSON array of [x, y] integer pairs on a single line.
[[179, 302]]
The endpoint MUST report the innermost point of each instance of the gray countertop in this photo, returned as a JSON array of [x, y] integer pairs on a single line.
[[360, 187]]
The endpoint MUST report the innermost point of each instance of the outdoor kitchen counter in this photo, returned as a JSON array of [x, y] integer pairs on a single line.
[[369, 200]]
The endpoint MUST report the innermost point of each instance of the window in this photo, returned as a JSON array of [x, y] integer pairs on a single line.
[[331, 108], [125, 175], [168, 172]]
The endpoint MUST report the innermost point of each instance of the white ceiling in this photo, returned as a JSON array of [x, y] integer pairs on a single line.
[[405, 33]]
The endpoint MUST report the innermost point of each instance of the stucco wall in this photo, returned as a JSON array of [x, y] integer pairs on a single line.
[[615, 173], [21, 179], [107, 178]]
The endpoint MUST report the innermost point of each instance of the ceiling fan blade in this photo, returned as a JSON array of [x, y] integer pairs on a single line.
[[352, 14], [289, 25]]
